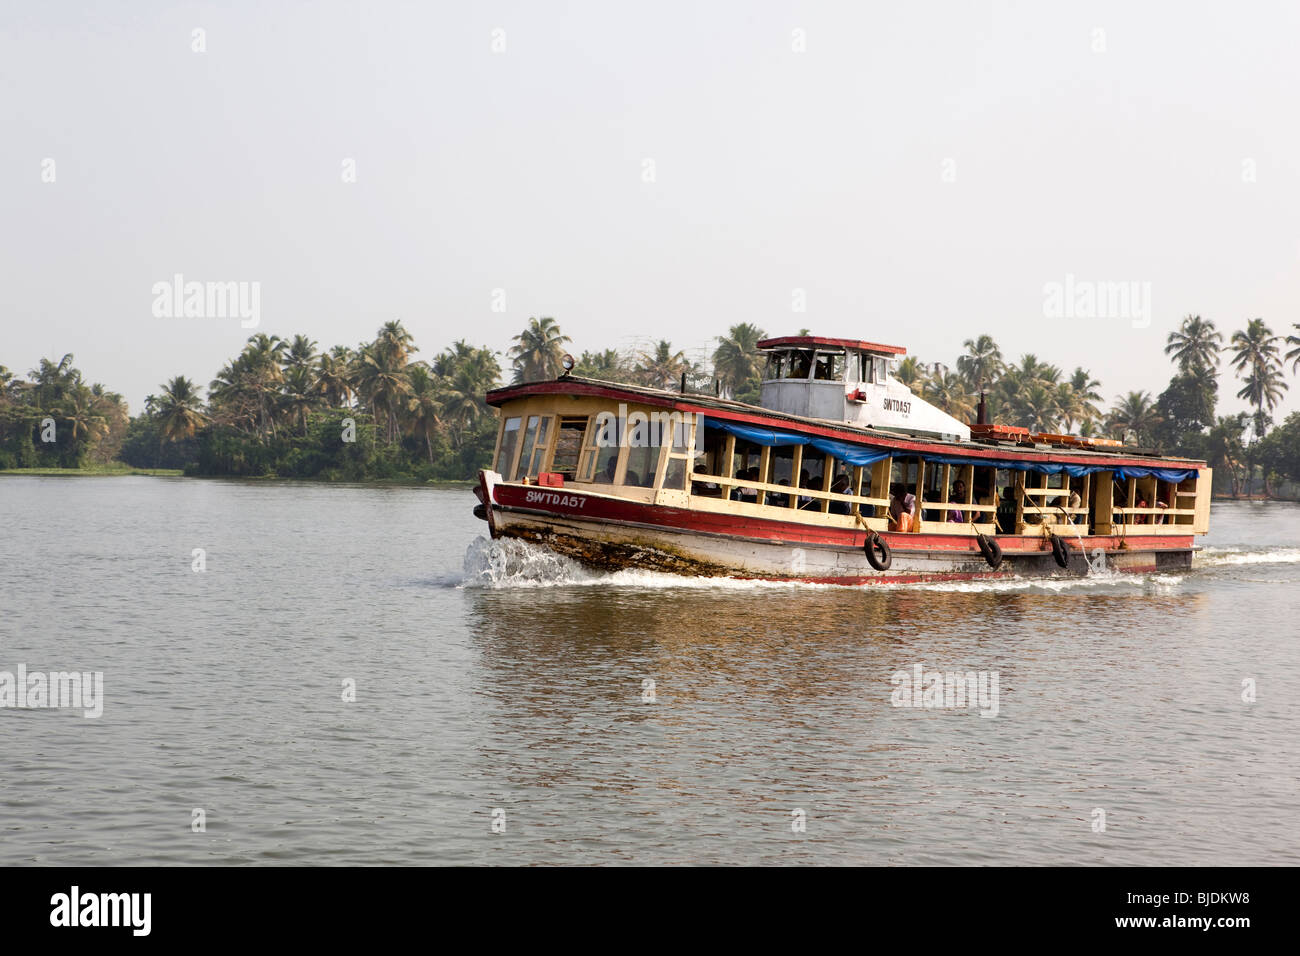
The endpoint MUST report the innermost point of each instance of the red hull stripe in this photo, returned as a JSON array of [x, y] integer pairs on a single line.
[[562, 503]]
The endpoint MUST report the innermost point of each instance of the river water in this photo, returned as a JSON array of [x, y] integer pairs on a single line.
[[512, 709]]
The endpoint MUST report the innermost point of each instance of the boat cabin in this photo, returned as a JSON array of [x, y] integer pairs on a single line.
[[846, 380]]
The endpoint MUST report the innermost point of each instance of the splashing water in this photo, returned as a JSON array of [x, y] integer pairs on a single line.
[[1220, 557], [510, 564]]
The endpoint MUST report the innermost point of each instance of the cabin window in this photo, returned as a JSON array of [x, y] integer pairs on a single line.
[[776, 363], [681, 457], [880, 368], [828, 367], [798, 364], [606, 442], [509, 444], [568, 447], [534, 450], [642, 463]]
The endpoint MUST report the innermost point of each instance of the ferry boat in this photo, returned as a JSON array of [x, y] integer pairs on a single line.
[[841, 475]]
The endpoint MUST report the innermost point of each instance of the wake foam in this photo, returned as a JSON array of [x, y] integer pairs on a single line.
[[508, 563], [1223, 557]]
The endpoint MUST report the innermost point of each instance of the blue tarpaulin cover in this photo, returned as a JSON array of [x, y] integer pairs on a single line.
[[863, 455]]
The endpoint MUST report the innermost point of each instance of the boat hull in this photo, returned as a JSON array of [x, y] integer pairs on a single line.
[[613, 534]]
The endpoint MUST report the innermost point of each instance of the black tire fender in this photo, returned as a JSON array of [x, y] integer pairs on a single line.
[[878, 554], [991, 550], [1060, 551]]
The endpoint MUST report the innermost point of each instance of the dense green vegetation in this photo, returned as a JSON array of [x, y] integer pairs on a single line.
[[54, 419], [283, 408]]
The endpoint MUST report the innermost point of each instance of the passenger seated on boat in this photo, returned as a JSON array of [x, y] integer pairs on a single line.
[[735, 492], [1141, 519], [1160, 503], [780, 501], [632, 478], [805, 481], [1006, 513], [1073, 502], [958, 495], [606, 477], [840, 487], [748, 494], [901, 505], [705, 489]]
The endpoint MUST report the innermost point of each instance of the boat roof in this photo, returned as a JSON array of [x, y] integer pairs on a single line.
[[812, 341], [732, 410]]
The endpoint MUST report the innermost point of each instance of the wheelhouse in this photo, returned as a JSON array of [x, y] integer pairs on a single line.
[[851, 381]]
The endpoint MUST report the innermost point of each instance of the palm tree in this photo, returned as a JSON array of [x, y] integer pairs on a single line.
[[1195, 345], [736, 359], [1087, 392], [1224, 448], [607, 365], [395, 342], [178, 410], [464, 375], [1134, 414], [1038, 407], [384, 383], [1015, 386], [910, 372], [1069, 406], [948, 392], [538, 351], [1256, 362], [1294, 355], [301, 353], [663, 367], [422, 406], [333, 382], [262, 374], [298, 398], [53, 382], [84, 420], [982, 363]]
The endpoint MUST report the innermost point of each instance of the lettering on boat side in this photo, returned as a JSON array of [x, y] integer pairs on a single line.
[[897, 405], [554, 498]]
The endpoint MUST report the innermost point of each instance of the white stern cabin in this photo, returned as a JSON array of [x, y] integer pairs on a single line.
[[844, 380]]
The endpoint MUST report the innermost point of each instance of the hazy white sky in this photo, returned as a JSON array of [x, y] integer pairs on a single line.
[[921, 171]]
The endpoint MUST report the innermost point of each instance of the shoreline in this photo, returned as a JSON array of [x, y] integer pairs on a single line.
[[178, 473]]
